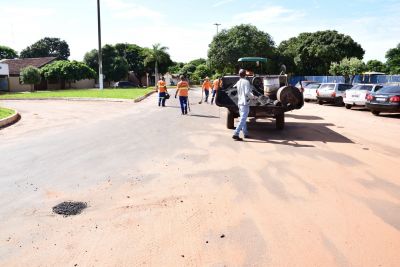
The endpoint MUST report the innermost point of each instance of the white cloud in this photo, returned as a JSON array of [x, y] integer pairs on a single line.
[[269, 14], [222, 2], [121, 9]]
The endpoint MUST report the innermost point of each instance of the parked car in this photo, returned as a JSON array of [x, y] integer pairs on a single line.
[[124, 84], [332, 93], [302, 84], [310, 91], [357, 95], [386, 99]]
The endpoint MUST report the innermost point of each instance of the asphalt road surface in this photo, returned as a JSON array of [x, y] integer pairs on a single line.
[[169, 190]]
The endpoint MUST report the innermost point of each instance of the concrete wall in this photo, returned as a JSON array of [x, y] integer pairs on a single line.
[[15, 85], [83, 84]]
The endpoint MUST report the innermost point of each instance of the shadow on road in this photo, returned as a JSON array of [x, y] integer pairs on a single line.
[[303, 117], [203, 116], [294, 133]]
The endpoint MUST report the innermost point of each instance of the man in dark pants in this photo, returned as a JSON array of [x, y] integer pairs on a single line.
[[161, 87], [183, 90]]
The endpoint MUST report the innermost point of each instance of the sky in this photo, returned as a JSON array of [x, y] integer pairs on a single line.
[[187, 27]]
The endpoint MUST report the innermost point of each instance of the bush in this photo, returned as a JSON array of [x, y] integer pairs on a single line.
[[30, 75]]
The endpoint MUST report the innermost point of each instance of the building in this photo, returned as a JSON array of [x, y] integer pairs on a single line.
[[4, 74], [16, 65]]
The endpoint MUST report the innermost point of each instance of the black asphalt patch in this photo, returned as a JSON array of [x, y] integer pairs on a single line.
[[69, 208]]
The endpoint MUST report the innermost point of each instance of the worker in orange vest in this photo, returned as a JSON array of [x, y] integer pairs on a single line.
[[206, 88], [217, 84], [182, 88], [161, 87]]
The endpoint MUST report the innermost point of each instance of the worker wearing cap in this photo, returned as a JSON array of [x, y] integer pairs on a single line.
[[217, 83], [244, 94], [161, 87], [182, 89], [206, 88]]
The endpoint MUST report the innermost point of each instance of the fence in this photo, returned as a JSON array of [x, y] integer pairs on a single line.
[[382, 79]]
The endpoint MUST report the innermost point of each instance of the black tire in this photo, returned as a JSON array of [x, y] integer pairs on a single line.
[[339, 101], [280, 121], [230, 120], [307, 100], [375, 112], [348, 106], [320, 102]]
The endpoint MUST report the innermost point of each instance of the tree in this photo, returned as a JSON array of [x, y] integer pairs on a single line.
[[375, 65], [176, 67], [134, 55], [313, 53], [47, 47], [7, 52], [30, 75], [203, 71], [67, 71], [393, 60], [198, 61], [115, 67], [157, 55], [348, 68], [241, 41], [187, 70]]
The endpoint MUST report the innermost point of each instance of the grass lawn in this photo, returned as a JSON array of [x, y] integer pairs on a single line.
[[5, 112], [86, 93]]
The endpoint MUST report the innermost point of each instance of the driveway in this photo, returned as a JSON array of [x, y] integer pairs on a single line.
[[170, 190]]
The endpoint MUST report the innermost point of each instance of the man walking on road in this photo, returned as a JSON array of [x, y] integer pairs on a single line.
[[216, 85], [183, 90], [206, 88], [244, 94], [161, 87]]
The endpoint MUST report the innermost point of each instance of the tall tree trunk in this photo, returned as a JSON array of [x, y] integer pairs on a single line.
[[156, 73]]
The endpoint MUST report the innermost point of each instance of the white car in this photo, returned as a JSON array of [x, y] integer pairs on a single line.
[[357, 95], [332, 93], [310, 91]]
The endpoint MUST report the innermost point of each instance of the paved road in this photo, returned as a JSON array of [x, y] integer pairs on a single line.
[[171, 190]]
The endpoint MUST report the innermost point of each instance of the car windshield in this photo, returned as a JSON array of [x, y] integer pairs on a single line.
[[313, 86], [390, 90], [362, 87], [329, 86]]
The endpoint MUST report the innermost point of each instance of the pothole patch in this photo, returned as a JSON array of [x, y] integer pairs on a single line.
[[69, 208]]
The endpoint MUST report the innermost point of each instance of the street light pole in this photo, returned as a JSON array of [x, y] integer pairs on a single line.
[[100, 52], [217, 24]]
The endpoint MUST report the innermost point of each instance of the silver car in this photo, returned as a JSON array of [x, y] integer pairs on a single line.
[[310, 91], [357, 96], [332, 93]]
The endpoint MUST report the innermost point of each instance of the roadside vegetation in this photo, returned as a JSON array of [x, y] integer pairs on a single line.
[[5, 112], [81, 93]]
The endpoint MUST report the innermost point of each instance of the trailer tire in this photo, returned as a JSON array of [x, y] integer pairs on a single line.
[[280, 121], [348, 106], [230, 120]]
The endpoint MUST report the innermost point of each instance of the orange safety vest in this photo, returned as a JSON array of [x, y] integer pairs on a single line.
[[183, 88], [162, 87], [217, 84], [206, 85]]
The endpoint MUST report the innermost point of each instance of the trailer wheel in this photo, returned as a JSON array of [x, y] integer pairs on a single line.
[[280, 121], [230, 120], [348, 106]]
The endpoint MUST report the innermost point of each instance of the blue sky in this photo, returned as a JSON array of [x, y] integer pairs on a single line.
[[186, 27]]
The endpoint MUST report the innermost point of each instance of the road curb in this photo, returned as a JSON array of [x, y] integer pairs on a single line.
[[10, 120], [137, 100]]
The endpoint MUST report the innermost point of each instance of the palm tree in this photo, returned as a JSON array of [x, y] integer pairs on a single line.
[[157, 54]]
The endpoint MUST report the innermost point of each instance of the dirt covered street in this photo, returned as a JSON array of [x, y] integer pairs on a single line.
[[164, 189]]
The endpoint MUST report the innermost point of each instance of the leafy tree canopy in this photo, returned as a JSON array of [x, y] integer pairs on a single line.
[[30, 75], [157, 60], [67, 71], [347, 67], [47, 47], [313, 53], [241, 41], [393, 60], [375, 65], [198, 61], [7, 52]]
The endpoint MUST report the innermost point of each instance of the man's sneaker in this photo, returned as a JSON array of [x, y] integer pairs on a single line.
[[237, 138]]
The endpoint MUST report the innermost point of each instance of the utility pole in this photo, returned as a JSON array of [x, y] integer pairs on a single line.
[[100, 52], [217, 24]]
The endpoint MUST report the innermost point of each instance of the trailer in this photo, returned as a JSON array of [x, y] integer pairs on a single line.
[[274, 96]]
